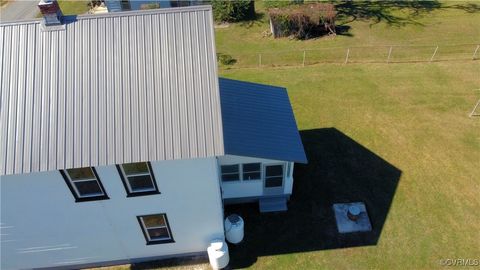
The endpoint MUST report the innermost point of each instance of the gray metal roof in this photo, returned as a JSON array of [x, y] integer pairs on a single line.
[[258, 121], [114, 88]]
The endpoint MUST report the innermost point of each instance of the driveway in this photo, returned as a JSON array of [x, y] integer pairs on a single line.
[[19, 9]]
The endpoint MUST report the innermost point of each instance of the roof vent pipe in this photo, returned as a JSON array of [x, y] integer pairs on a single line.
[[51, 12]]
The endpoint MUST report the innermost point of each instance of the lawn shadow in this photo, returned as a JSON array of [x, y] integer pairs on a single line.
[[258, 19], [68, 19], [394, 13], [339, 170], [189, 262], [343, 30]]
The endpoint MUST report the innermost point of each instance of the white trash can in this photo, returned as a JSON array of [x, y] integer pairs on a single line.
[[234, 227], [218, 254]]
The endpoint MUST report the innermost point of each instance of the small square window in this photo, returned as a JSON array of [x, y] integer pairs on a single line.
[[156, 229], [84, 184], [230, 173], [251, 171], [138, 179]]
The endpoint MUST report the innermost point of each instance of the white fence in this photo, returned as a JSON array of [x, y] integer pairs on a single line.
[[359, 54]]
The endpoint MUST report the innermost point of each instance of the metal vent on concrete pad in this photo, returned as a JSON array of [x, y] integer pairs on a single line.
[[351, 217]]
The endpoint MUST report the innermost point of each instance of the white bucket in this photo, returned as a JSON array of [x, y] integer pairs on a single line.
[[218, 254]]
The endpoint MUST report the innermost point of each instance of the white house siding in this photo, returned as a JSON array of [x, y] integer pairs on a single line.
[[43, 226], [251, 188]]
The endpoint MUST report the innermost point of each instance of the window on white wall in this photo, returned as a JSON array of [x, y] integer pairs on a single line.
[[156, 229], [84, 184], [138, 179], [230, 172], [251, 171]]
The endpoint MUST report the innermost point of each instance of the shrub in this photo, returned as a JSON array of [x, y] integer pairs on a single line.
[[303, 21], [233, 11], [225, 59]]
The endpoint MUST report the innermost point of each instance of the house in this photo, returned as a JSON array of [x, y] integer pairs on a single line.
[[120, 144]]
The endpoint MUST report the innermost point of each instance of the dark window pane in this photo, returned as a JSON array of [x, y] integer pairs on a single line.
[[141, 183], [231, 177], [180, 3], [135, 168], [273, 182], [88, 188], [158, 234], [251, 176], [154, 221], [251, 167], [229, 169], [274, 170], [125, 5], [81, 173]]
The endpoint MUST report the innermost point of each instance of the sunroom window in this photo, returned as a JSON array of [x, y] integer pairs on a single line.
[[230, 172], [251, 171]]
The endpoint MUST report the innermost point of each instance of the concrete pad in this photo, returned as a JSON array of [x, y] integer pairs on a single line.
[[346, 225]]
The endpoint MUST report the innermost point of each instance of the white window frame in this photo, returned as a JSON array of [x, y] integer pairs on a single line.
[[289, 170], [156, 240], [77, 192], [127, 181]]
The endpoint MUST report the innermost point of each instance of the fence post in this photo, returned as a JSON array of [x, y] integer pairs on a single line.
[[303, 62], [346, 58], [259, 60], [475, 52], [389, 53], [435, 52]]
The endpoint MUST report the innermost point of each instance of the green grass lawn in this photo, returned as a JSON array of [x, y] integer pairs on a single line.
[[422, 185], [73, 7], [365, 24]]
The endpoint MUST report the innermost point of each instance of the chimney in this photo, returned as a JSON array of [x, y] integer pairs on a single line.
[[51, 12]]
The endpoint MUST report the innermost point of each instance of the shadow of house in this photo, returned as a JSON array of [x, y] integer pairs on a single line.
[[339, 170]]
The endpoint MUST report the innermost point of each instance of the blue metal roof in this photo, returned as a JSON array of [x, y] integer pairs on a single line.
[[258, 122]]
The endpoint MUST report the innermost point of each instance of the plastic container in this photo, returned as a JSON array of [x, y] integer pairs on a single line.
[[234, 229], [218, 254]]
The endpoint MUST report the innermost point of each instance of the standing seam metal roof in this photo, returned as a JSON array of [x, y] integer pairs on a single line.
[[109, 89], [258, 121]]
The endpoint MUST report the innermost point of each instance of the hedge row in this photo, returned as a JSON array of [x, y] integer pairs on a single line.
[[233, 11]]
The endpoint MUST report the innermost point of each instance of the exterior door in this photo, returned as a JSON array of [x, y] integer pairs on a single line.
[[273, 179]]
